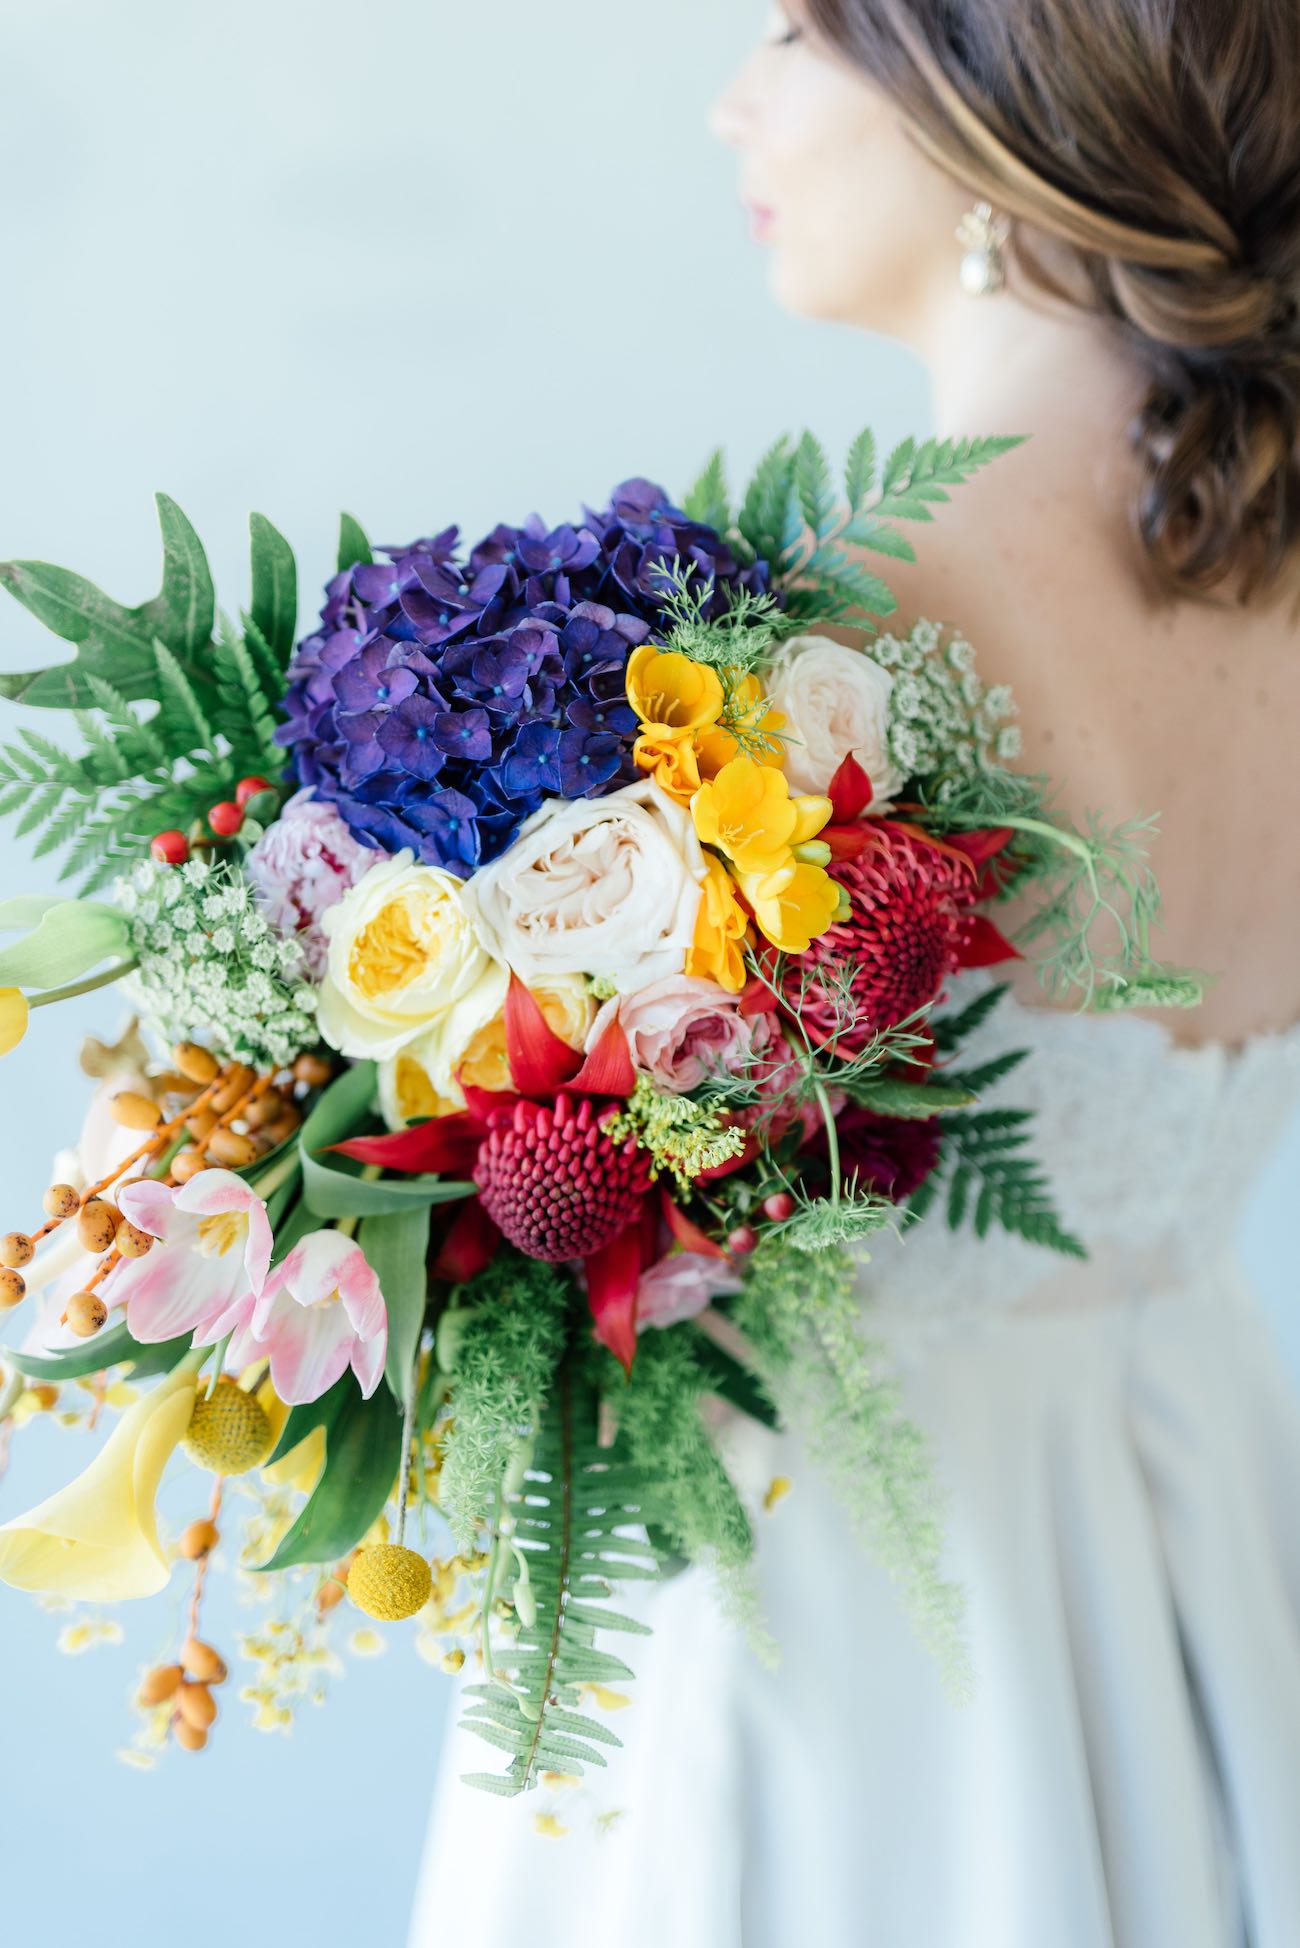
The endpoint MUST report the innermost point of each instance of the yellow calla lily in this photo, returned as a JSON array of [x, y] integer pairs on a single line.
[[97, 1539], [14, 1014]]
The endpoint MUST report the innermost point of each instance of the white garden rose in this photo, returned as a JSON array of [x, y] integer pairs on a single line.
[[603, 886], [835, 701], [404, 953]]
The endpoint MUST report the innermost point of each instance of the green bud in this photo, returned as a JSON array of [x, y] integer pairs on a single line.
[[813, 852]]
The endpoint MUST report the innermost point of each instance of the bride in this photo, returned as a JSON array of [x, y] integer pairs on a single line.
[[1119, 1450]]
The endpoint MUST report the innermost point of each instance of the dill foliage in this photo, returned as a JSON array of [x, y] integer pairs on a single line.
[[801, 1317], [507, 1353]]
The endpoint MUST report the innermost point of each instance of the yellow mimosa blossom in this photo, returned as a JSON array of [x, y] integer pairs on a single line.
[[13, 1018], [718, 950], [747, 709], [671, 761], [97, 1539], [792, 906], [670, 693], [748, 813]]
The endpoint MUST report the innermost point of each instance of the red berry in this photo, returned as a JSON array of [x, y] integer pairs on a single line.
[[779, 1206], [169, 848], [226, 818], [742, 1240], [248, 788]]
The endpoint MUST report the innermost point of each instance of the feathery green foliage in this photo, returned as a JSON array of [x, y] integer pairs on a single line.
[[506, 1356], [802, 1319], [564, 1522], [659, 1417]]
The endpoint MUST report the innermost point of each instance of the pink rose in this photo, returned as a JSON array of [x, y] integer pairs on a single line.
[[679, 1029], [303, 865]]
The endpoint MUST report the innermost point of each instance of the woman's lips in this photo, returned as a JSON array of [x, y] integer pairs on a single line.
[[761, 218]]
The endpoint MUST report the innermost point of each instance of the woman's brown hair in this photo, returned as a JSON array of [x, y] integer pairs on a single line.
[[1161, 139]]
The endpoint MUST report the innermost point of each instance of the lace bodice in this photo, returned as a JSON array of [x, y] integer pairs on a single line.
[[1150, 1148]]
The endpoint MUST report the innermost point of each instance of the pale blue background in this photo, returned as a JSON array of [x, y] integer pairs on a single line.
[[427, 262]]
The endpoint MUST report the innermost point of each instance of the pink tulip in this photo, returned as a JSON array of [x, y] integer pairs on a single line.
[[320, 1311], [213, 1254]]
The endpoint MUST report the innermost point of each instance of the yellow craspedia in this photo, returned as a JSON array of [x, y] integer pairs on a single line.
[[230, 1433], [390, 1582]]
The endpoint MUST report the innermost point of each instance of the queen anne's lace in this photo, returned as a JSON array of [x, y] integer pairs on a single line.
[[211, 967], [1150, 1148]]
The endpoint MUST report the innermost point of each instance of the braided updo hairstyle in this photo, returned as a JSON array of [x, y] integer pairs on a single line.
[[1161, 140]]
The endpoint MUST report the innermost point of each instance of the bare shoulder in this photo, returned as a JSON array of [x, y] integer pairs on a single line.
[[1133, 705]]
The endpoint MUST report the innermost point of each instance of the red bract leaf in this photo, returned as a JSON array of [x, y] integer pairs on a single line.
[[686, 1233], [480, 1103], [613, 1275], [850, 792], [845, 841], [469, 1246], [757, 998], [447, 1145], [540, 1063], [988, 945], [608, 1070], [982, 846]]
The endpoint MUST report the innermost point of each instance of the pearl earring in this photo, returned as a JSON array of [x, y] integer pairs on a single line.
[[984, 233]]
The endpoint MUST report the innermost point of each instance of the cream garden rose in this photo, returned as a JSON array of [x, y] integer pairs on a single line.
[[835, 701], [604, 886], [404, 953]]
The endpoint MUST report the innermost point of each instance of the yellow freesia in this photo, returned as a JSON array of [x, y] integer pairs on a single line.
[[14, 1014], [97, 1539], [671, 693], [792, 906], [671, 761], [747, 710], [747, 812], [718, 950]]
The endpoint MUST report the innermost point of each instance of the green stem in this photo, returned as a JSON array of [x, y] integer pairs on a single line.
[[86, 986], [348, 1226], [11, 1391], [279, 1173], [408, 1430]]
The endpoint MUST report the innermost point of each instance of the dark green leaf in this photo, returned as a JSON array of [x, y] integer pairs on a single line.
[[312, 1414], [353, 545], [274, 605], [396, 1245], [911, 1101], [362, 1453], [182, 613], [111, 1348], [731, 1381]]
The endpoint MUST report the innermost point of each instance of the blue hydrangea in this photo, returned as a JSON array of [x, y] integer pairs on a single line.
[[439, 702]]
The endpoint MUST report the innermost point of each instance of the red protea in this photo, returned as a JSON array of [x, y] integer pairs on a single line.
[[912, 925], [555, 1181]]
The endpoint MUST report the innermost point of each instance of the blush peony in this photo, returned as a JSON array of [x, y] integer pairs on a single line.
[[303, 865]]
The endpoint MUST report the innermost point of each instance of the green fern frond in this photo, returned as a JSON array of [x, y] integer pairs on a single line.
[[708, 500], [567, 1529], [989, 1180], [915, 478]]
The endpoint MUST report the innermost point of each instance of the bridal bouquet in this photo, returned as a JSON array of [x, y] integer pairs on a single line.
[[536, 973]]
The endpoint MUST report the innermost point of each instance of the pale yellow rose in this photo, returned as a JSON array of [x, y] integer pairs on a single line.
[[424, 1079], [96, 1540], [420, 1079], [404, 951]]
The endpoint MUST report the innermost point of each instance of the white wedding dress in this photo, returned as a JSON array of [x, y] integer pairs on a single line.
[[1122, 1458]]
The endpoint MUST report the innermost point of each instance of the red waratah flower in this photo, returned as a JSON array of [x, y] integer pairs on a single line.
[[891, 1155], [555, 1182], [549, 1176], [912, 922]]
